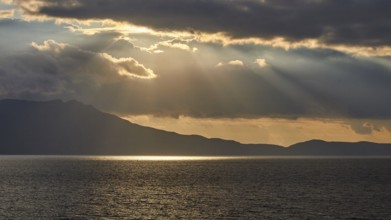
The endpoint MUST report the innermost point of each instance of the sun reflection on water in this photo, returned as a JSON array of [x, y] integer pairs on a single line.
[[167, 158]]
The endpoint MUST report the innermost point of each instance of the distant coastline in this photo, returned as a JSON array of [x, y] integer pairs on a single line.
[[72, 128]]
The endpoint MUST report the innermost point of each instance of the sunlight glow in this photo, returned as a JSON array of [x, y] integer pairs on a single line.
[[168, 158], [284, 132]]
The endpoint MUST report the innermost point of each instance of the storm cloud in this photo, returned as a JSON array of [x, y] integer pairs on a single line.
[[348, 22]]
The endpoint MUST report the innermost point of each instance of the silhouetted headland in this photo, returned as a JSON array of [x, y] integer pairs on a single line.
[[72, 128]]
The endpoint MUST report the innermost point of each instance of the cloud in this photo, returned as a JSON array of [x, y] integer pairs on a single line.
[[368, 126], [49, 46], [177, 45], [17, 35], [361, 127], [58, 70], [236, 62], [123, 66], [261, 62], [5, 14], [231, 63], [173, 43], [130, 67], [303, 83], [227, 40], [352, 22]]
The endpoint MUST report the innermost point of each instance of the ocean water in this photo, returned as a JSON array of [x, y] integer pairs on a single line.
[[40, 187]]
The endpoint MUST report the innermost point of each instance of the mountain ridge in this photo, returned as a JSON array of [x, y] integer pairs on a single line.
[[73, 128]]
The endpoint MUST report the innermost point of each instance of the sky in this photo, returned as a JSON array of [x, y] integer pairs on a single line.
[[255, 71]]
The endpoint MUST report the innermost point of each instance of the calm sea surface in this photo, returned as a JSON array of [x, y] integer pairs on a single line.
[[37, 187]]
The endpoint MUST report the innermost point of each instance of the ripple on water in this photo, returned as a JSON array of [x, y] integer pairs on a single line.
[[84, 188]]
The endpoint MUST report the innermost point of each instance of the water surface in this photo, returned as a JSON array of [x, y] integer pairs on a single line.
[[50, 187]]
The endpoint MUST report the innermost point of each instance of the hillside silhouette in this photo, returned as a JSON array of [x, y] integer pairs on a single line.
[[72, 128]]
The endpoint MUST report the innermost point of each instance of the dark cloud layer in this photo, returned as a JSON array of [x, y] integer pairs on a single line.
[[353, 22]]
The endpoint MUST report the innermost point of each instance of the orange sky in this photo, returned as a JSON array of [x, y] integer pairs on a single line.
[[283, 132]]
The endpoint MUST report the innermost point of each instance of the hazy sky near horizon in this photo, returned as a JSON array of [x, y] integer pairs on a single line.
[[257, 71]]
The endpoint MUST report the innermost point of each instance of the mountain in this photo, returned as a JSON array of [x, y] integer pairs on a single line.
[[57, 127], [72, 128], [319, 147]]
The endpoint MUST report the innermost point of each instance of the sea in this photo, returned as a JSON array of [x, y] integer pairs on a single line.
[[76, 187]]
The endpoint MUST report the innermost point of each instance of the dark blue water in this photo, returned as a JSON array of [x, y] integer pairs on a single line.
[[257, 188]]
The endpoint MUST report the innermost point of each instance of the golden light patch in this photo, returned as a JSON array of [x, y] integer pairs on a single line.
[[283, 132]]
